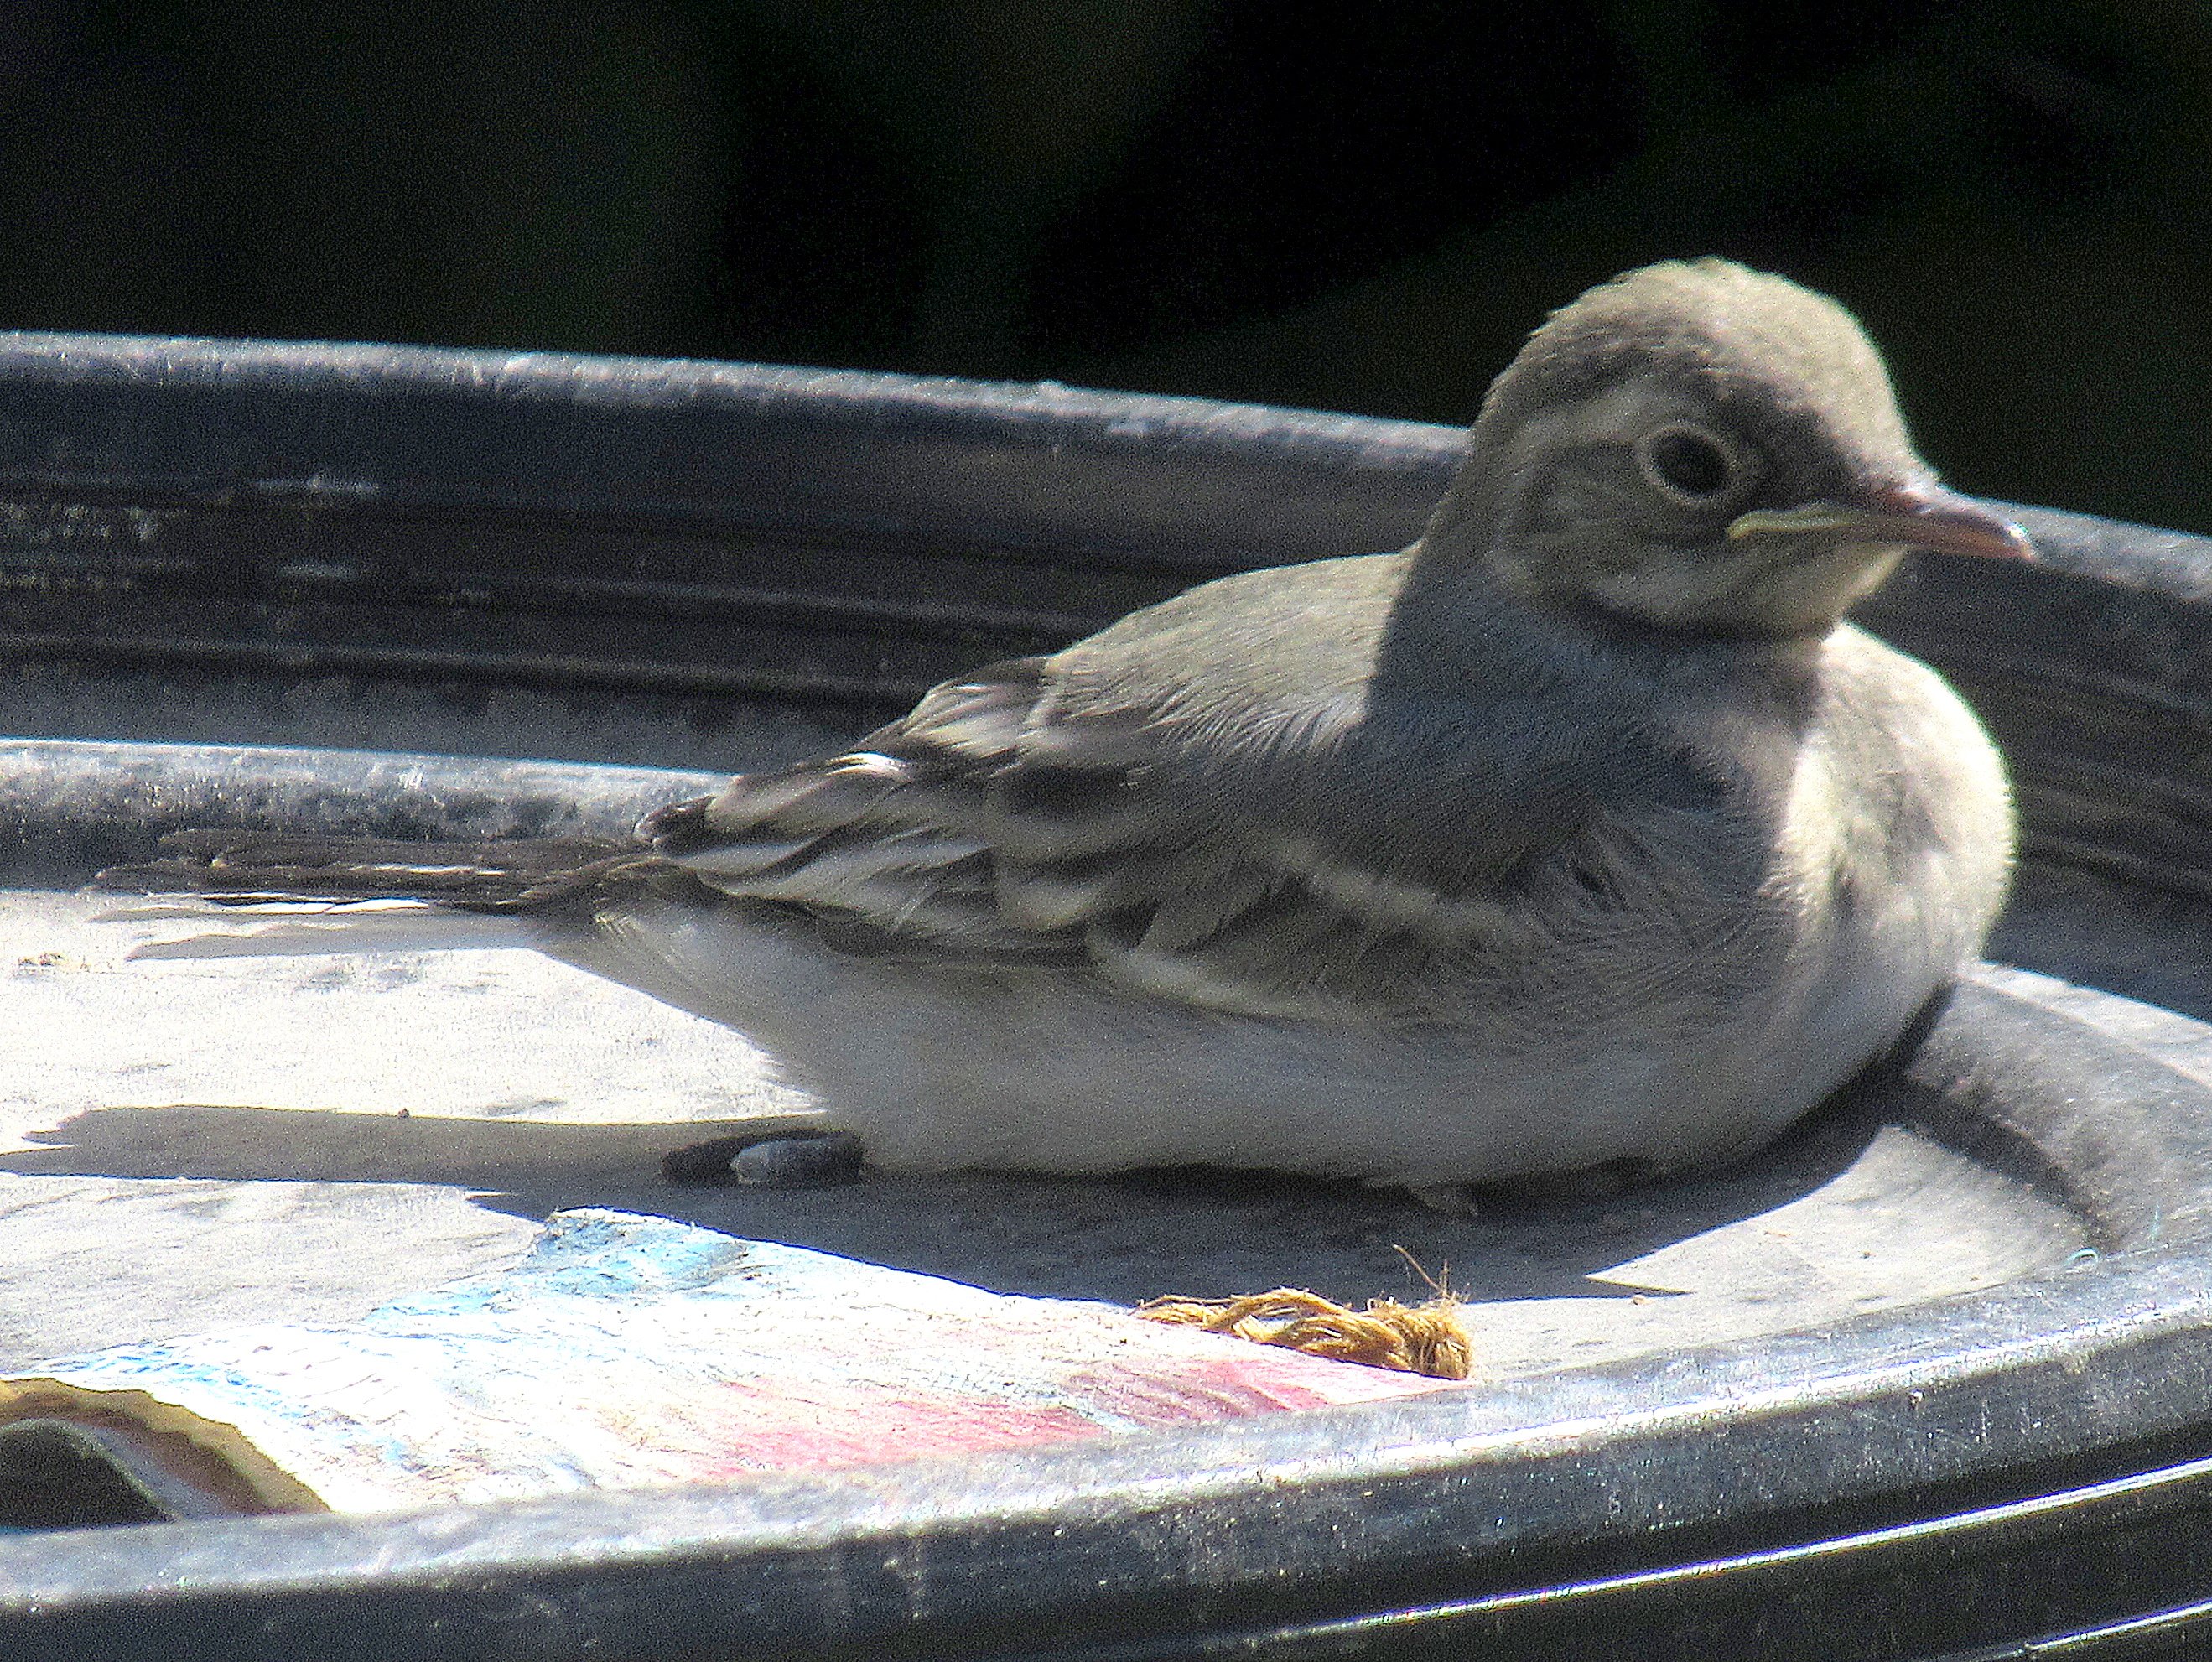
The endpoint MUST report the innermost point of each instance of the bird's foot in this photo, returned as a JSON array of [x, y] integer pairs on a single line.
[[780, 1159], [1587, 1183], [1454, 1200], [1599, 1182]]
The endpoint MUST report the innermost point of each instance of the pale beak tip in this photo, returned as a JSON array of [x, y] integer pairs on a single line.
[[1949, 524]]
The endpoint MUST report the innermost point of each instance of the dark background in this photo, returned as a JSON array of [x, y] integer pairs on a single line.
[[1356, 206]]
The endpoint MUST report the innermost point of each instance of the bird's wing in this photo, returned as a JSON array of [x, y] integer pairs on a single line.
[[1312, 859], [887, 845]]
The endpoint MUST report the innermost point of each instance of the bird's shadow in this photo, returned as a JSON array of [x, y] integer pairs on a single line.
[[1120, 1239]]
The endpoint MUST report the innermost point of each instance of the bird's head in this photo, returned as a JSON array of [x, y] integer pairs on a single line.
[[1702, 447]]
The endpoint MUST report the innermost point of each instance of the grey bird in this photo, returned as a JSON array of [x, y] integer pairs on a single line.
[[1582, 834]]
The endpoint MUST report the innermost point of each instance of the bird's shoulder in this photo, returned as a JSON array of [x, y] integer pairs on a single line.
[[1909, 765]]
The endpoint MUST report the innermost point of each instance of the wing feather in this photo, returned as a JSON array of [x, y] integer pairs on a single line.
[[1211, 801], [998, 822]]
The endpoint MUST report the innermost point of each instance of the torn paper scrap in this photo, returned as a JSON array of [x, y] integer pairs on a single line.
[[623, 1351]]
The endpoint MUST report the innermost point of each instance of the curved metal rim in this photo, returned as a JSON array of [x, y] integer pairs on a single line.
[[1330, 1512], [1441, 1496]]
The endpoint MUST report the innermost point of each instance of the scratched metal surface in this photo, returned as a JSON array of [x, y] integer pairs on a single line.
[[200, 1143], [712, 566]]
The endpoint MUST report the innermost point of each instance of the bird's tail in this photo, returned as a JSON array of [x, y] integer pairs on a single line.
[[330, 894], [258, 867]]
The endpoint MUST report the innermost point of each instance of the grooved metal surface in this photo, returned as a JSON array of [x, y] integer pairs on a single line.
[[550, 560]]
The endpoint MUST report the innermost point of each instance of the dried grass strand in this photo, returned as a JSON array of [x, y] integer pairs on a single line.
[[1429, 1338]]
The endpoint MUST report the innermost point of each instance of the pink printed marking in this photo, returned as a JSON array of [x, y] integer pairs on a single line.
[[867, 1424], [1235, 1387]]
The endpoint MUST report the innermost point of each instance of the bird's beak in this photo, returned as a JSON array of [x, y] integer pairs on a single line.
[[1899, 516]]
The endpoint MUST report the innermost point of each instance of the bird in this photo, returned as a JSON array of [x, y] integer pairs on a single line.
[[1583, 836]]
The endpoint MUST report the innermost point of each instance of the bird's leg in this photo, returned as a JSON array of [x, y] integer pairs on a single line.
[[780, 1154], [1599, 1182], [1454, 1200]]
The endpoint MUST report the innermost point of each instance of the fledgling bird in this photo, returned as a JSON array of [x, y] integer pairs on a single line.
[[1581, 834]]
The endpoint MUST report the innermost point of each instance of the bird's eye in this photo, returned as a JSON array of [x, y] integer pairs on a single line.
[[1687, 465]]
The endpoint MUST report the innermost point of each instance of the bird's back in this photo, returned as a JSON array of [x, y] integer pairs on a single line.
[[1470, 931]]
